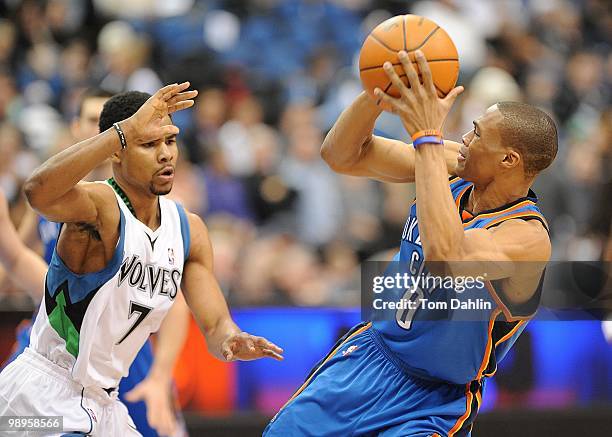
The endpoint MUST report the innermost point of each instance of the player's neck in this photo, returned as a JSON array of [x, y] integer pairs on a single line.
[[495, 195], [143, 203]]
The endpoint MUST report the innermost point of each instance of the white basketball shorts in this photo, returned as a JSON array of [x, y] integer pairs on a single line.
[[34, 386]]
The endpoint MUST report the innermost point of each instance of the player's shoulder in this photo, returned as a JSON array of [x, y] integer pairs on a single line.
[[198, 233], [529, 237], [99, 190]]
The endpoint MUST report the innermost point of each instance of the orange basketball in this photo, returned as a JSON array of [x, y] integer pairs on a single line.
[[409, 33]]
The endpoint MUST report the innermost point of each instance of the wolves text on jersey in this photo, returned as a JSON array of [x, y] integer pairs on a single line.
[[151, 278]]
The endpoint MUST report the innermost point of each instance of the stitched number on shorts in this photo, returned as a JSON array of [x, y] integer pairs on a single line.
[[142, 311], [404, 317]]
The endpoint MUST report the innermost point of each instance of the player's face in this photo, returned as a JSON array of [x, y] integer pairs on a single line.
[[151, 166], [86, 125], [481, 154]]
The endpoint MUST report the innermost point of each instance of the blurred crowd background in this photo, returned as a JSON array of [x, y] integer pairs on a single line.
[[273, 77]]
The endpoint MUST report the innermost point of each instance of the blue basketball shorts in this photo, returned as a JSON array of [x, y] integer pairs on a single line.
[[360, 390]]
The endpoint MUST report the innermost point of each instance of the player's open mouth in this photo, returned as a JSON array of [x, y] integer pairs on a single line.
[[166, 173], [461, 156]]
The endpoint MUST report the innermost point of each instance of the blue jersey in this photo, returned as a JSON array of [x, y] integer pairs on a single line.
[[48, 232], [456, 346]]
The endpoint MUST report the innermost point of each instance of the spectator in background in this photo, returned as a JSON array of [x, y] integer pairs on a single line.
[[270, 91], [126, 55], [318, 208], [210, 113]]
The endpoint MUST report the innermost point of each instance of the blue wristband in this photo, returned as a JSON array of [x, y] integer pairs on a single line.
[[427, 139]]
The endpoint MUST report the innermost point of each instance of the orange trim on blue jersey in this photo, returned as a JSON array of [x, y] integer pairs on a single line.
[[485, 360], [504, 308], [511, 333], [460, 195], [329, 356], [523, 214], [519, 205], [489, 347], [468, 409], [505, 338]]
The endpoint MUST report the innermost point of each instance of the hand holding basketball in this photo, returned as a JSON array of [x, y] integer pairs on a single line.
[[418, 105]]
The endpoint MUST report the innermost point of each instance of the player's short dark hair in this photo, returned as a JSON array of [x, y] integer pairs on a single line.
[[532, 132], [121, 106], [93, 93]]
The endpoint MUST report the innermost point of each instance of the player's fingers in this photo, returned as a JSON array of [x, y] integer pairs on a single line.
[[153, 413], [167, 422], [272, 354], [454, 93], [174, 90], [162, 92], [227, 352], [387, 100], [394, 78], [135, 394], [167, 131], [182, 96], [180, 106], [425, 72], [266, 344], [413, 77], [250, 344]]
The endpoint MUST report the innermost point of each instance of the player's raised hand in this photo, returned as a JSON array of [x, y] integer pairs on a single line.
[[246, 347], [156, 394], [419, 106], [147, 124]]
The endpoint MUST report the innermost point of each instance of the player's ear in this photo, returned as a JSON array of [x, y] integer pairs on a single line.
[[511, 159], [116, 157]]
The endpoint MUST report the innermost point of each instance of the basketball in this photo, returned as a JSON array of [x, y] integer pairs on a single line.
[[409, 33]]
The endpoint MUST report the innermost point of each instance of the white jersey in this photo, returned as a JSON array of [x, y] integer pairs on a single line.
[[94, 324]]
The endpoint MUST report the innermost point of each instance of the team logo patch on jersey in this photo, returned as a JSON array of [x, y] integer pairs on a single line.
[[171, 256], [350, 350]]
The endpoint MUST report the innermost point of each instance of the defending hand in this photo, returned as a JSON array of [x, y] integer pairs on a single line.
[[146, 125], [247, 347]]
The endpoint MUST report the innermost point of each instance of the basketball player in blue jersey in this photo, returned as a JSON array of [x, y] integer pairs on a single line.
[[416, 373], [121, 255], [150, 406]]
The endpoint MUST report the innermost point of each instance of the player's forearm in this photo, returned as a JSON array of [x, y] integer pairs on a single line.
[[352, 131], [439, 224], [170, 339], [29, 273], [63, 171]]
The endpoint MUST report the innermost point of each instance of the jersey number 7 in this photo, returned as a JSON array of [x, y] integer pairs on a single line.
[[142, 311]]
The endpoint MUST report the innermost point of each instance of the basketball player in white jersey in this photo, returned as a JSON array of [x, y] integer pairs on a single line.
[[120, 259], [150, 375]]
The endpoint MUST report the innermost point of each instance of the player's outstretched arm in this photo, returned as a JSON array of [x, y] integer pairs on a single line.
[[22, 265], [224, 338], [54, 189], [350, 148]]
